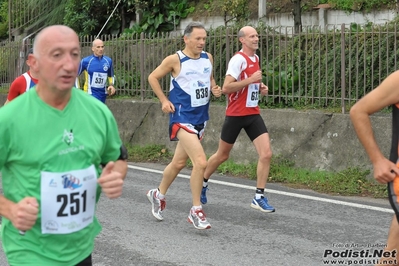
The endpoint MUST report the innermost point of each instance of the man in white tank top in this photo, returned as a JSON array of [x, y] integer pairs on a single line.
[[243, 86]]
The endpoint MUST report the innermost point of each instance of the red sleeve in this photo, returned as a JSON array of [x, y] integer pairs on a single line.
[[18, 86]]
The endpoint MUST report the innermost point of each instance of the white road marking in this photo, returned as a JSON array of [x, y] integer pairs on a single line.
[[296, 195]]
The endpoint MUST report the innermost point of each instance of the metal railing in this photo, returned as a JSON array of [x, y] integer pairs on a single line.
[[320, 67]]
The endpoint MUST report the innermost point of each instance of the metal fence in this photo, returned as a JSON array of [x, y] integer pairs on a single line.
[[320, 67]]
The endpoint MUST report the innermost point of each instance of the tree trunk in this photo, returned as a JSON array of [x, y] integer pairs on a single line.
[[123, 19], [297, 16], [139, 13]]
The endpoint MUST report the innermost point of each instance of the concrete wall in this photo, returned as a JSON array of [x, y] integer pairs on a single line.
[[312, 139], [322, 17]]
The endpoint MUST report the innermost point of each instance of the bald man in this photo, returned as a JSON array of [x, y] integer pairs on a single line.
[[53, 176], [243, 87], [98, 71]]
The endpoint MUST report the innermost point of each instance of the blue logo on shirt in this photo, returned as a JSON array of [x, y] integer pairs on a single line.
[[191, 73], [200, 83], [207, 70], [71, 182], [53, 183]]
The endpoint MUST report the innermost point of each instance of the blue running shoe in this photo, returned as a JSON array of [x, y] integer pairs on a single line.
[[262, 205], [203, 198]]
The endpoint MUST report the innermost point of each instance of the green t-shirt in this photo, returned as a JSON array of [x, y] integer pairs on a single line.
[[36, 139]]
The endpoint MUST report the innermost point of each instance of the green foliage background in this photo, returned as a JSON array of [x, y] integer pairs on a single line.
[[88, 16], [357, 5], [300, 70], [303, 70]]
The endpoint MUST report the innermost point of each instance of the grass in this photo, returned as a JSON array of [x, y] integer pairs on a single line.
[[149, 154], [4, 89], [350, 182]]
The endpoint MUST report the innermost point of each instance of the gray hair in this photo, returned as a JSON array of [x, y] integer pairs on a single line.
[[189, 28]]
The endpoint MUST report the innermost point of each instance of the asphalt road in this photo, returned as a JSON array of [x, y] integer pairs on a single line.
[[307, 228]]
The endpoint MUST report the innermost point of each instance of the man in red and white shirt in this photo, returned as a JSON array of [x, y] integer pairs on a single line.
[[22, 83], [243, 86]]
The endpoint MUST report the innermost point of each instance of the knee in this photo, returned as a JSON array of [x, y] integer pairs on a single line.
[[179, 165], [266, 156], [200, 164], [222, 157]]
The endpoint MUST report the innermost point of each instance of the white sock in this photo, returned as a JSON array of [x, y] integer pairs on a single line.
[[258, 196], [160, 195], [194, 208]]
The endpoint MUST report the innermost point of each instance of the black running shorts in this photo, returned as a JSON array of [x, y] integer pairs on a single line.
[[253, 125]]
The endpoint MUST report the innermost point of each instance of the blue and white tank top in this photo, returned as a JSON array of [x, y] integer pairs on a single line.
[[190, 90]]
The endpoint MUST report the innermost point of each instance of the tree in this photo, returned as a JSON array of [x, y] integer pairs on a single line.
[[297, 16], [236, 10], [3, 19], [84, 16], [46, 13], [159, 16]]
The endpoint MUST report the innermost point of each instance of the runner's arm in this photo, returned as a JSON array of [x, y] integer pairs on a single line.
[[384, 95], [5, 207], [111, 81], [121, 167], [214, 87], [81, 69], [111, 75], [231, 84], [113, 174], [168, 65], [121, 162], [213, 82], [23, 214]]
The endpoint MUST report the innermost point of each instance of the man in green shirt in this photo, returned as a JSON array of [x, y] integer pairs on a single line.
[[59, 148]]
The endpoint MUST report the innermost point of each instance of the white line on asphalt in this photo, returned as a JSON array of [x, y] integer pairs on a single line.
[[339, 202]]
